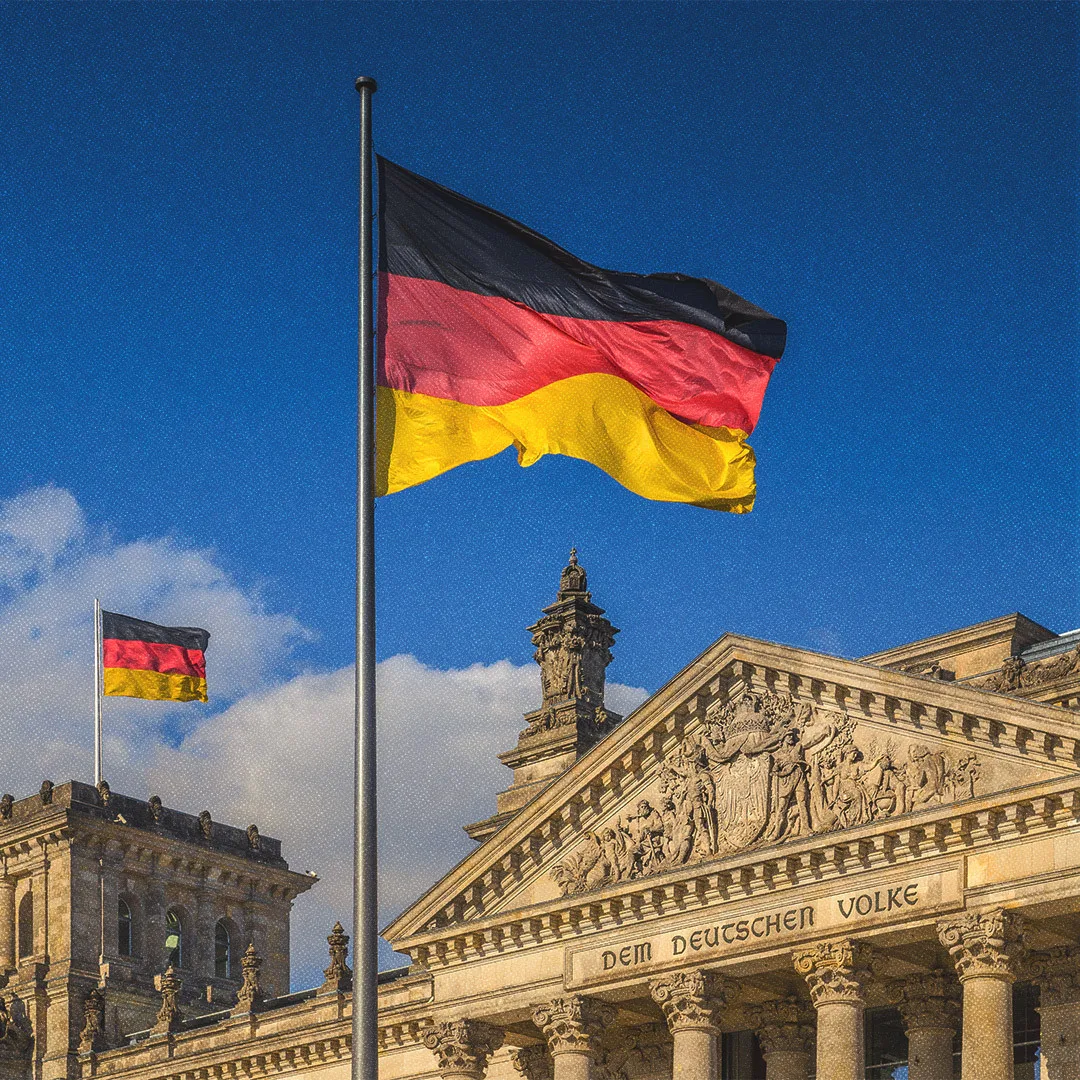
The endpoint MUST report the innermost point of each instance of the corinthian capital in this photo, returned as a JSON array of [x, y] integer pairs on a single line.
[[691, 1000], [1058, 974], [573, 1024], [785, 1026], [463, 1047], [533, 1062], [930, 1001], [984, 945], [835, 971]]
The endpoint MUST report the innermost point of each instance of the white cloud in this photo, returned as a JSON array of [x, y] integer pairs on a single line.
[[281, 753]]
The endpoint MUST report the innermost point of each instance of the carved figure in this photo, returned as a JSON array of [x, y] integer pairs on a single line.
[[157, 811], [6, 803], [104, 792], [206, 825], [45, 794], [762, 769], [253, 838], [92, 1036]]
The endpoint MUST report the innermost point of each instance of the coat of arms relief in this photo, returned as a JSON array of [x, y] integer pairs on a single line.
[[762, 769]]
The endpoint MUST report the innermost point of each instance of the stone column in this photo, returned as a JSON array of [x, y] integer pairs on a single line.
[[837, 973], [785, 1029], [572, 1026], [985, 948], [691, 1002], [7, 925], [930, 1010], [1058, 975], [462, 1048]]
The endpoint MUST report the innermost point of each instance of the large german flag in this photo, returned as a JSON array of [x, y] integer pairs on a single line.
[[490, 336], [144, 660]]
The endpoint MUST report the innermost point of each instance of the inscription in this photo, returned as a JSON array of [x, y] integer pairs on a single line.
[[742, 931]]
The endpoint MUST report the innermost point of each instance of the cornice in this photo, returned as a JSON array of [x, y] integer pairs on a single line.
[[965, 638], [1018, 730]]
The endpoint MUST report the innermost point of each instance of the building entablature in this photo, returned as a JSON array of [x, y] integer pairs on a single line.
[[868, 760]]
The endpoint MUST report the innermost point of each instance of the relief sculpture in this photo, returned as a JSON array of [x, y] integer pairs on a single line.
[[763, 769]]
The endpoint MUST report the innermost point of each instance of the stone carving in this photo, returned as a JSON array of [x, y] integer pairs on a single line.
[[989, 944], [92, 1036], [764, 768], [338, 974], [463, 1047], [930, 1001], [573, 648], [157, 811], [104, 792], [785, 1026], [6, 803], [1058, 974], [1016, 675], [169, 1016], [533, 1062], [835, 971], [45, 794], [573, 1024], [250, 996], [253, 838], [691, 1000], [15, 1033], [617, 1048], [206, 825]]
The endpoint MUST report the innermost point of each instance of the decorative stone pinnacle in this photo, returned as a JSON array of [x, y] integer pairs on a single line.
[[339, 976], [533, 1062], [573, 1024], [463, 1047], [835, 971], [92, 1036], [785, 1026], [691, 1000], [984, 945], [250, 995], [930, 1001], [169, 1015]]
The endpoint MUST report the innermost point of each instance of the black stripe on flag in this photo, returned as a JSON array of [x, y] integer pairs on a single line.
[[125, 628]]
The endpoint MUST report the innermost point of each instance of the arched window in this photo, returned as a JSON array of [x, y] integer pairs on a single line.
[[222, 951], [26, 926], [123, 928], [174, 940]]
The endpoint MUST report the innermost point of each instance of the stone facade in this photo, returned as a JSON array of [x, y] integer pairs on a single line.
[[781, 864]]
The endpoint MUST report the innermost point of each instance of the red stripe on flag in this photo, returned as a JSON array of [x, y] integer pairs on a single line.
[[485, 350], [148, 656]]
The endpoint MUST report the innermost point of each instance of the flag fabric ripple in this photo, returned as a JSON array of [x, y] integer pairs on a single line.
[[492, 336], [144, 660]]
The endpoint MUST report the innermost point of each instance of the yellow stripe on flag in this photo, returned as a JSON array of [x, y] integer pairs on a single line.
[[595, 417], [153, 685]]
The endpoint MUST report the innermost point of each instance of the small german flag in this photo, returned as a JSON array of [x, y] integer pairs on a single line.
[[144, 660]]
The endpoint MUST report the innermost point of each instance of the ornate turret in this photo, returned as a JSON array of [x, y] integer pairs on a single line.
[[573, 648]]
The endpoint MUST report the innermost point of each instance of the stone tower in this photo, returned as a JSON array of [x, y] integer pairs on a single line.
[[573, 648], [101, 890]]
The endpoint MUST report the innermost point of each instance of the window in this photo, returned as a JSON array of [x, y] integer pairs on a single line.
[[123, 928], [26, 926], [222, 951], [174, 940]]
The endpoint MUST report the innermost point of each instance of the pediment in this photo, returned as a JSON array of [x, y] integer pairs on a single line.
[[754, 747]]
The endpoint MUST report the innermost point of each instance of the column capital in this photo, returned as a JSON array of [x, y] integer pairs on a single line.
[[692, 1000], [1057, 971], [836, 971], [462, 1047], [573, 1024], [533, 1062], [930, 1001], [985, 944], [785, 1026]]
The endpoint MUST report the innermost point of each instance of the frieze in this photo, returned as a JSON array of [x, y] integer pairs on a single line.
[[1016, 675], [763, 769]]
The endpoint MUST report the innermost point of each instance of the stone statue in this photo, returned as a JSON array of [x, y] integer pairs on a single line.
[[157, 811], [6, 803], [762, 769], [45, 794], [104, 792], [253, 838], [92, 1036], [206, 825]]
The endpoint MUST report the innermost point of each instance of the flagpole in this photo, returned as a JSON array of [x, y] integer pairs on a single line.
[[365, 1049], [97, 691]]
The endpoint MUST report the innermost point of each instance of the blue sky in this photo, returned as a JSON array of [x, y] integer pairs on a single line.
[[177, 314]]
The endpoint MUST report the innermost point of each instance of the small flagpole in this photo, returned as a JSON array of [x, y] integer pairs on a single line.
[[98, 679], [365, 1047]]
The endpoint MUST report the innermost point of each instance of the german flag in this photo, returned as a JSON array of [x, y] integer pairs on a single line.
[[144, 660], [491, 336]]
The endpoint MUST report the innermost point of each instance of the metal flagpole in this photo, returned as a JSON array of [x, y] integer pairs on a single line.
[[365, 1063], [97, 691]]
